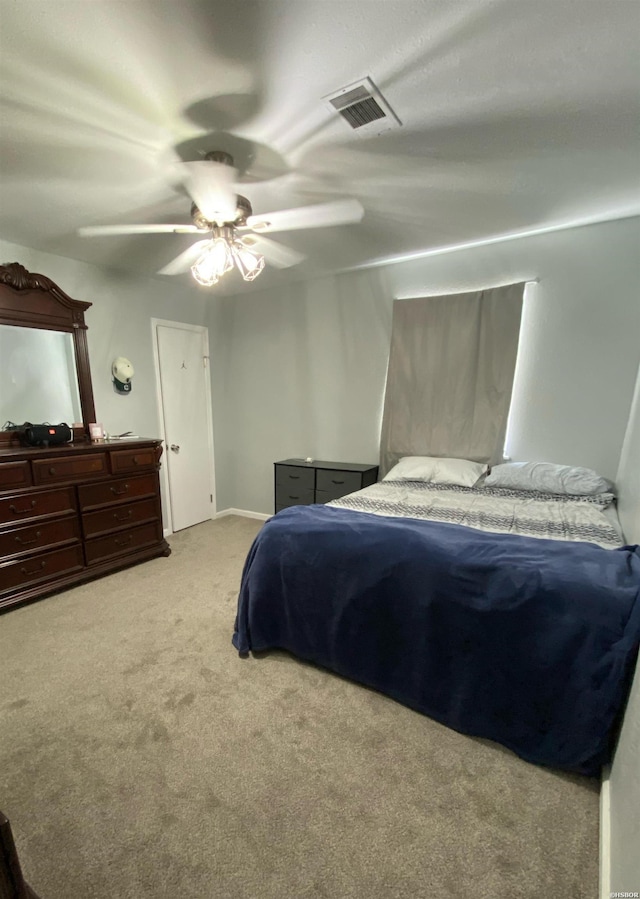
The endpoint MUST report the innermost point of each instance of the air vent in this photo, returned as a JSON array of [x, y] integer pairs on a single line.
[[363, 108]]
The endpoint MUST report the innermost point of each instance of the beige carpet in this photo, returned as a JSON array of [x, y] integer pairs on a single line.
[[141, 758]]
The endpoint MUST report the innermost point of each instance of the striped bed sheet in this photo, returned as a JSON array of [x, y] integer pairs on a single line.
[[590, 519]]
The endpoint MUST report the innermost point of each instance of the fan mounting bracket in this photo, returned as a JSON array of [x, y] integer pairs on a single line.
[[219, 156]]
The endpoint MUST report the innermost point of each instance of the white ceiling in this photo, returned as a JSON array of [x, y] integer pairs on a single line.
[[517, 115]]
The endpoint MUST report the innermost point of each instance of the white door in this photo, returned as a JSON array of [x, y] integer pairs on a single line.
[[182, 353]]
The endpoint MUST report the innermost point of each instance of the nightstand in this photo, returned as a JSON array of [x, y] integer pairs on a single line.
[[300, 483]]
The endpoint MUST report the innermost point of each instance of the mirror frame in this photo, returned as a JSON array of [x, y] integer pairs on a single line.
[[30, 300]]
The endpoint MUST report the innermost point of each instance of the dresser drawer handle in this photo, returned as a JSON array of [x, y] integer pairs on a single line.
[[35, 570], [28, 542], [123, 542], [52, 470], [23, 511], [117, 492], [293, 497], [136, 461], [336, 482], [123, 517], [294, 477]]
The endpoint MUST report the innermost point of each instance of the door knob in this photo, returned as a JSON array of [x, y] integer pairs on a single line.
[[175, 448]]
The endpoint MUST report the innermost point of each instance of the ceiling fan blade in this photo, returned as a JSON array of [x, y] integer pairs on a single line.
[[274, 253], [185, 260], [211, 187], [98, 230], [322, 215]]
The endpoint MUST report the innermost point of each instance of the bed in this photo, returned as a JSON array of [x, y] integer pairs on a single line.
[[505, 614]]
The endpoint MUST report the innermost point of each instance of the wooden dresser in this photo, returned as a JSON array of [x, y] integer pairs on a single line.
[[75, 512], [299, 483]]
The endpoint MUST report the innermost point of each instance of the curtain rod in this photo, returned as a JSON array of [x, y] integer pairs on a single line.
[[447, 293]]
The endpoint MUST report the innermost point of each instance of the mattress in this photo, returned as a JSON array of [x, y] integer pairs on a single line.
[[590, 519]]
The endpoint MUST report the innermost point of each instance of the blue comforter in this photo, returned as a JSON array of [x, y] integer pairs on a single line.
[[525, 641]]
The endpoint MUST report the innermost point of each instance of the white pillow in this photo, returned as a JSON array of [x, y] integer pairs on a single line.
[[546, 477], [437, 471]]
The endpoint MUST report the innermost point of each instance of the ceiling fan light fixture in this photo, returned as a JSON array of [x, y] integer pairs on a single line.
[[220, 255], [204, 270], [249, 264]]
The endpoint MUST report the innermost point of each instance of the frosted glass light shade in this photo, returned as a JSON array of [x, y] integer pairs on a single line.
[[219, 256], [248, 264]]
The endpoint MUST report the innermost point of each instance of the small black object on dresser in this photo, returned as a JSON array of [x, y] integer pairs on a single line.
[[300, 483]]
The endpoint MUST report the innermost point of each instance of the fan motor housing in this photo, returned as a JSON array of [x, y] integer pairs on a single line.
[[243, 211]]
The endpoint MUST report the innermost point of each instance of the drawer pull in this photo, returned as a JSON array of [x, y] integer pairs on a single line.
[[294, 477], [28, 542], [293, 497], [52, 470], [117, 492], [123, 517], [336, 482], [23, 511], [136, 461], [35, 570], [123, 541]]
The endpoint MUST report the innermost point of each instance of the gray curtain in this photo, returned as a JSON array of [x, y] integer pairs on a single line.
[[450, 375]]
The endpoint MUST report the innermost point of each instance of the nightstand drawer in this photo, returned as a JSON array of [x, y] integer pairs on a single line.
[[319, 482], [338, 483], [294, 477], [292, 496]]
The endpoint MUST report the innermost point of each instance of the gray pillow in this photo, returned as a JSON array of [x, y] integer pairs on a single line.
[[545, 477]]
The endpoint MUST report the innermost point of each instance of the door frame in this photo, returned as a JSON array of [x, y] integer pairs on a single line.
[[164, 469]]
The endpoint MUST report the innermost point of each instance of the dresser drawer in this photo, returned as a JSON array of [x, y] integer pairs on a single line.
[[132, 460], [69, 468], [37, 537], [117, 490], [29, 506], [14, 475], [292, 496], [43, 567], [295, 477], [119, 517], [122, 543], [334, 484]]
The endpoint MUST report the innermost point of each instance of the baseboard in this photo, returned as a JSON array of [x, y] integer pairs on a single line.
[[260, 516], [605, 833], [244, 513]]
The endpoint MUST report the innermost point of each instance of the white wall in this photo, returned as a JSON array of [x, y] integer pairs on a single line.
[[300, 370], [628, 478], [624, 780], [296, 371]]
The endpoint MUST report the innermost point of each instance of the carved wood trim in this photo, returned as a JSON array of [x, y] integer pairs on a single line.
[[31, 300], [17, 276]]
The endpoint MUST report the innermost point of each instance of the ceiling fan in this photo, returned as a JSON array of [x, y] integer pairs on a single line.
[[235, 237]]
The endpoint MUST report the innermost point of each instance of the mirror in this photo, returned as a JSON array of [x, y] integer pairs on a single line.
[[44, 359], [38, 377]]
